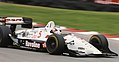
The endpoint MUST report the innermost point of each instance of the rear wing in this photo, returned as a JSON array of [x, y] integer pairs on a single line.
[[23, 21]]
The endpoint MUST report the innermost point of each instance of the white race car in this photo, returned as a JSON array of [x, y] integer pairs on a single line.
[[49, 37]]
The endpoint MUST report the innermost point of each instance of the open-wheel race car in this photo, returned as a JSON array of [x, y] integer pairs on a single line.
[[49, 37]]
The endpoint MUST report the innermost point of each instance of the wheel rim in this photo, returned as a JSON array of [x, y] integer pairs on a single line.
[[96, 43], [52, 45]]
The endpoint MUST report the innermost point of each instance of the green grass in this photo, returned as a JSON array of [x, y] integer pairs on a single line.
[[104, 22]]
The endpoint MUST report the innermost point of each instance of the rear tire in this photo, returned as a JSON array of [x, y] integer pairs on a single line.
[[5, 40], [55, 44]]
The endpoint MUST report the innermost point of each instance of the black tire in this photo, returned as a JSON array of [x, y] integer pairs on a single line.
[[5, 40], [100, 42], [55, 44]]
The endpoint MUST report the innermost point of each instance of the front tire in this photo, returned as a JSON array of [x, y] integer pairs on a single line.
[[100, 42], [55, 44]]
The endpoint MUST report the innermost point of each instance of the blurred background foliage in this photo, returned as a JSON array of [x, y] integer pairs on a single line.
[[69, 4]]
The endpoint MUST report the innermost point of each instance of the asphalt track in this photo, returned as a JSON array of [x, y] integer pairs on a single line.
[[24, 55], [21, 55]]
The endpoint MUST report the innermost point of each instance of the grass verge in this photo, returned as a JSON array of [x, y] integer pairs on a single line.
[[104, 22]]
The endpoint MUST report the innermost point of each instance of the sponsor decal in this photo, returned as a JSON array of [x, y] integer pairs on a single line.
[[44, 45], [14, 20], [34, 44], [2, 20]]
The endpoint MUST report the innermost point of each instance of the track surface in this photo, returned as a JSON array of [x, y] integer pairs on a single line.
[[19, 55]]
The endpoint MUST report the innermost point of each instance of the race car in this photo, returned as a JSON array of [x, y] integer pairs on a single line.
[[50, 37]]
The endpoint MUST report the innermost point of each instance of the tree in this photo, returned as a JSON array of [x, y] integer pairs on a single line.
[[21, 1], [90, 0]]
